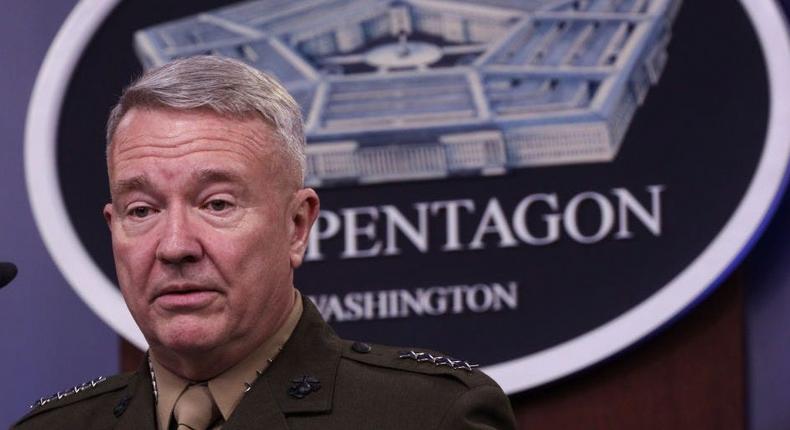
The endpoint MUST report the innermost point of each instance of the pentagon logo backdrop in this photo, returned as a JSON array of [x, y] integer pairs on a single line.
[[531, 184]]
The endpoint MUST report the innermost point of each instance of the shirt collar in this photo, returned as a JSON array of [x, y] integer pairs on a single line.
[[168, 386], [228, 387]]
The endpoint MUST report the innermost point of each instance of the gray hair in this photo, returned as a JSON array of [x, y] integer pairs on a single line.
[[223, 85]]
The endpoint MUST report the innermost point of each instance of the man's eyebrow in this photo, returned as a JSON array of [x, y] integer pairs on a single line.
[[128, 185], [203, 176], [208, 176]]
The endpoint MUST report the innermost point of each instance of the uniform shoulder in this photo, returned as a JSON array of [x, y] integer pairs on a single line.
[[416, 360], [440, 391], [85, 392]]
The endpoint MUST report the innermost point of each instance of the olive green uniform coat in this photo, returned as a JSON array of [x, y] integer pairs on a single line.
[[354, 386]]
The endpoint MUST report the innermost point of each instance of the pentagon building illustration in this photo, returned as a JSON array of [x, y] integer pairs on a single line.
[[419, 89]]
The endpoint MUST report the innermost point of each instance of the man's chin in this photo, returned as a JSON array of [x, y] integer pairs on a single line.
[[188, 339]]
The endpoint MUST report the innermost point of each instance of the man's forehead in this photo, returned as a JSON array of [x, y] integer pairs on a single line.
[[169, 133], [145, 135], [168, 125]]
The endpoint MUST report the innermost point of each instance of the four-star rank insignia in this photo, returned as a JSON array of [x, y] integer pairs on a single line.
[[71, 391], [437, 360]]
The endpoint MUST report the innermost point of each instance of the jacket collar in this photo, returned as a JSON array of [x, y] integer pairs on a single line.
[[313, 351], [135, 409]]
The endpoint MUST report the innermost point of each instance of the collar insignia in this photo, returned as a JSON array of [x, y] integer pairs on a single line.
[[301, 387]]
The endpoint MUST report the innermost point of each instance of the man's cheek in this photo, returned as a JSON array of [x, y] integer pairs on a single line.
[[134, 262]]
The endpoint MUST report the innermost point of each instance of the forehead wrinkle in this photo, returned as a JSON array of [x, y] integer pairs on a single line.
[[143, 154], [206, 176]]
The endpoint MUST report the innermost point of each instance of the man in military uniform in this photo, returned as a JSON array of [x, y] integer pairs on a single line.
[[209, 218]]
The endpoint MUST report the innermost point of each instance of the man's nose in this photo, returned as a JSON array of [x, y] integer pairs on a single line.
[[179, 243]]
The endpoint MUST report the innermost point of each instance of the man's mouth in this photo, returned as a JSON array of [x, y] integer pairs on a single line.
[[183, 298]]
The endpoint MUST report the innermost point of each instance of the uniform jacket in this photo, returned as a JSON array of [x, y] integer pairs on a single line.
[[318, 381]]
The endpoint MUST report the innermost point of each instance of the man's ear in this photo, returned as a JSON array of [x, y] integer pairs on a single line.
[[303, 214], [108, 214]]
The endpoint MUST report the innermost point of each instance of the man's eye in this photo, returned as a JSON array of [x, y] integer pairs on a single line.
[[218, 205], [140, 211]]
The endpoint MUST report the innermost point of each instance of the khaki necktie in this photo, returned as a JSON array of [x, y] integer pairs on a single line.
[[195, 408]]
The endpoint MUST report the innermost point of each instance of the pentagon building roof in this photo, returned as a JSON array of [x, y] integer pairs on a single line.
[[401, 90]]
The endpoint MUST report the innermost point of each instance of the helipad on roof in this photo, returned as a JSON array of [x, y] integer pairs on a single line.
[[406, 90]]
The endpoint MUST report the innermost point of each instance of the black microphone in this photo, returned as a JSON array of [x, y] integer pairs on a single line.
[[7, 273]]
